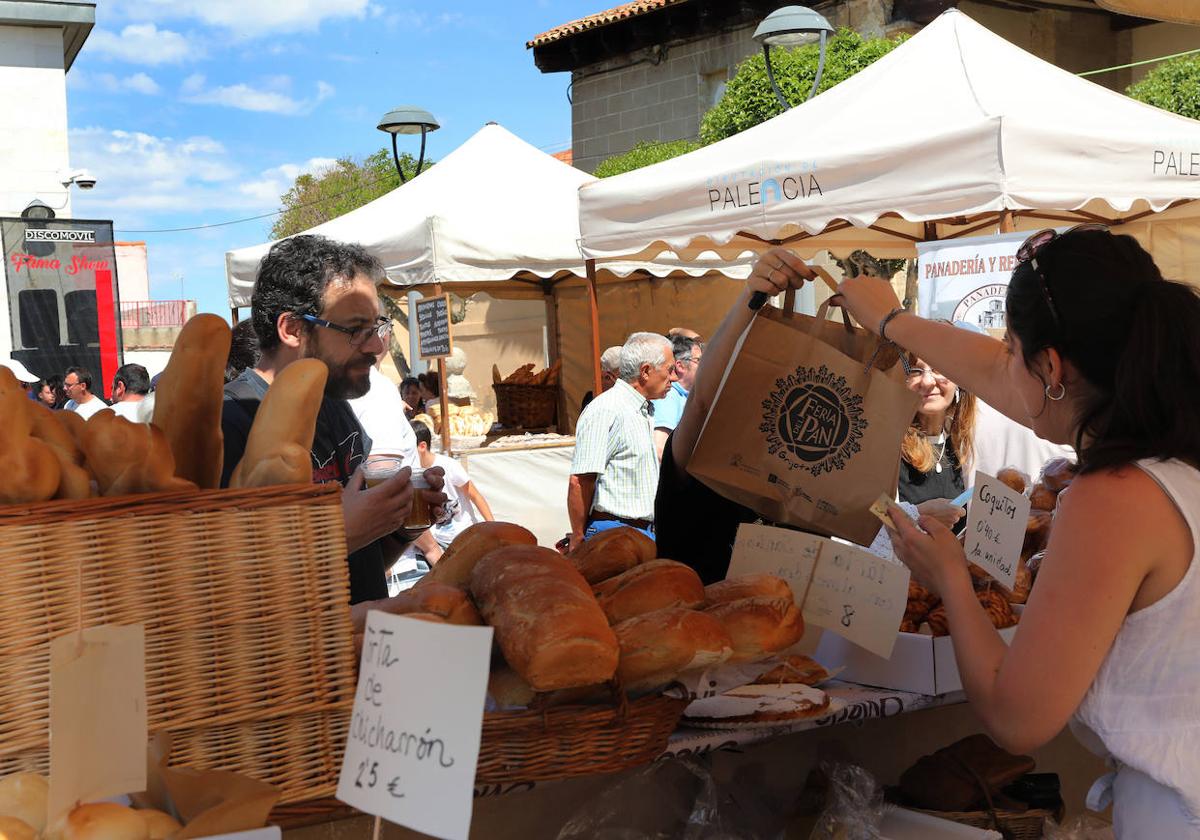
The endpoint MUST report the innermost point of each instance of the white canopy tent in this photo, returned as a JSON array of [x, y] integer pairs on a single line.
[[979, 135], [495, 215]]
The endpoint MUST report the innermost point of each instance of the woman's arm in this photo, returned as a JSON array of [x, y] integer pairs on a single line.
[[776, 271], [976, 362], [1111, 530]]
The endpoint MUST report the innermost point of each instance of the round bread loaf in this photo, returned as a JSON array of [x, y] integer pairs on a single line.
[[659, 646], [651, 586], [747, 586], [12, 828], [23, 797], [468, 547], [760, 626], [448, 602], [159, 824], [612, 552], [104, 821]]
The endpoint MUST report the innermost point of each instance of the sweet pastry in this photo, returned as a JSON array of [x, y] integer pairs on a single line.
[[795, 669]]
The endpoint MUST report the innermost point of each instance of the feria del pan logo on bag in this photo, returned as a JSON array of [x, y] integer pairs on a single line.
[[813, 420]]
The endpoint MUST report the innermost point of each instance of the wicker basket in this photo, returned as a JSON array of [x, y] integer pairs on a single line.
[[1014, 825], [526, 406], [559, 743], [249, 657]]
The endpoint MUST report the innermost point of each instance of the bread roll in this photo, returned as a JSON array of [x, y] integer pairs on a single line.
[[1042, 497], [1058, 473], [23, 797], [1014, 479], [129, 457], [747, 586], [760, 626], [548, 624], [189, 396], [12, 828], [29, 471], [468, 547], [159, 825], [651, 586], [448, 602], [611, 552], [659, 646], [102, 821], [279, 447], [1037, 532]]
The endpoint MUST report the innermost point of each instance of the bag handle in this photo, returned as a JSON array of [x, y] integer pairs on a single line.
[[789, 297], [823, 314]]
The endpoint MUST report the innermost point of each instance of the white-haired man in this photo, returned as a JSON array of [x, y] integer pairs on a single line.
[[610, 367], [614, 473]]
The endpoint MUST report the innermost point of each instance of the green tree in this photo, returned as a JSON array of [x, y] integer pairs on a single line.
[[344, 186], [1173, 86], [749, 100], [644, 154]]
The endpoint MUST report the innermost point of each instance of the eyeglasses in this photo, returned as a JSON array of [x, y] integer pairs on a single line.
[[358, 335], [69, 385], [916, 373], [1028, 252]]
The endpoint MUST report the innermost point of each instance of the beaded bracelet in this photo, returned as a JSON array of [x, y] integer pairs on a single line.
[[887, 319]]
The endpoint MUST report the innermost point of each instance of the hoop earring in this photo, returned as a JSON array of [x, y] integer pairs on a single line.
[[1062, 392]]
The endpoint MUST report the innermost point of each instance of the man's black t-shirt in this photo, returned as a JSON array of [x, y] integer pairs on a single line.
[[694, 524], [339, 446]]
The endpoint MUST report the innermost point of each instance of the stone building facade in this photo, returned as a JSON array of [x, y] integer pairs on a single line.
[[649, 70]]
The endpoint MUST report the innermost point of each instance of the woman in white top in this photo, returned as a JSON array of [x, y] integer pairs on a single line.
[[1101, 353]]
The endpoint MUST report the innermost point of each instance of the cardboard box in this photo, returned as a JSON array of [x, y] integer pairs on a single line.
[[919, 664]]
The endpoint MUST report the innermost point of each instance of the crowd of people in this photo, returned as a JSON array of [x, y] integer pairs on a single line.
[[75, 390]]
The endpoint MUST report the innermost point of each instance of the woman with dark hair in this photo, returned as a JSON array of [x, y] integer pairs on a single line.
[[1102, 353], [936, 451], [55, 385]]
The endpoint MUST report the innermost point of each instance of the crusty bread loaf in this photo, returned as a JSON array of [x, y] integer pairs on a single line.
[[448, 602], [612, 552], [659, 646], [506, 687], [12, 828], [746, 586], [651, 586], [189, 396], [548, 624], [29, 470], [129, 457], [102, 821], [159, 825], [454, 568], [23, 796], [760, 626], [279, 447]]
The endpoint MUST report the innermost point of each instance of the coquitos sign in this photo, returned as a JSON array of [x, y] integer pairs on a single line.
[[78, 263]]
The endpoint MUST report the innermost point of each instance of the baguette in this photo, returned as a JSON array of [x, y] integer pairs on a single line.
[[747, 586], [75, 482], [278, 450], [468, 547], [29, 470], [658, 646], [759, 627], [651, 586], [548, 625], [189, 396], [612, 552], [129, 457]]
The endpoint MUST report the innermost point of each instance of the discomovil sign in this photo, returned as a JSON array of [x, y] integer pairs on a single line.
[[967, 279]]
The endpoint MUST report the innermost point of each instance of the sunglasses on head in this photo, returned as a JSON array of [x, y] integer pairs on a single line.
[[1029, 250]]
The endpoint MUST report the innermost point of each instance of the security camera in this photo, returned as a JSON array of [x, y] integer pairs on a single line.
[[81, 178]]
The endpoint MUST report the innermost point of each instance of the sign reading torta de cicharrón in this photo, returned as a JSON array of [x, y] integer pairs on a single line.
[[433, 327]]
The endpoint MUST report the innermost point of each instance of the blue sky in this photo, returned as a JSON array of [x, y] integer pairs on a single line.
[[192, 112]]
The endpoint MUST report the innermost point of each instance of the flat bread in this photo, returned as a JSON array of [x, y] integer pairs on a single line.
[[760, 704], [795, 670]]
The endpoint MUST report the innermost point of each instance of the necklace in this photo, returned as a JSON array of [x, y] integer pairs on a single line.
[[943, 440]]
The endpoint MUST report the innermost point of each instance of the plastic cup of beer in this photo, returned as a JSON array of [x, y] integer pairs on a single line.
[[420, 517], [380, 468]]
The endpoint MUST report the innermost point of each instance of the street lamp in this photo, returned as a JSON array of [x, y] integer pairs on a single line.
[[789, 27], [408, 119]]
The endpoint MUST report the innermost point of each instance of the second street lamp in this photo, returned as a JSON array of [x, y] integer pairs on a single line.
[[790, 27], [408, 119]]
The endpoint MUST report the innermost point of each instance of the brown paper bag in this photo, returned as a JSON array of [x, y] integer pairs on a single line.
[[807, 424]]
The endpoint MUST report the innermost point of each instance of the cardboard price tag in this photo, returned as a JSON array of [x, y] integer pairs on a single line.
[[841, 588], [996, 523], [414, 733], [98, 727]]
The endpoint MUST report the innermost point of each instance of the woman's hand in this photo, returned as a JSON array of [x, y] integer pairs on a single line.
[[931, 551], [778, 270], [943, 510], [868, 299]]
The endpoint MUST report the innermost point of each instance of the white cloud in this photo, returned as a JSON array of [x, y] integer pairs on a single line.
[[110, 83], [271, 98], [274, 182], [143, 43], [249, 20], [412, 20]]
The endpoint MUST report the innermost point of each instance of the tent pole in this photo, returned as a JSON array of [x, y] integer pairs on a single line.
[[443, 397], [554, 346], [233, 316], [911, 281], [1007, 223], [594, 307]]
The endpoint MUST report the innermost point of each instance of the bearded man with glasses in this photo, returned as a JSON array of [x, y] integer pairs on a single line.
[[315, 299]]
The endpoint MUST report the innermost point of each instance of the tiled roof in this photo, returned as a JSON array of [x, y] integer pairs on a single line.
[[566, 156], [623, 12]]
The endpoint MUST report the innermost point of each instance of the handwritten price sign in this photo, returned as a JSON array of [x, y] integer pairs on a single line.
[[841, 588], [996, 523], [414, 733]]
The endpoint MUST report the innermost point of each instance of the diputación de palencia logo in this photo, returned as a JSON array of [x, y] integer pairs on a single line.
[[813, 420]]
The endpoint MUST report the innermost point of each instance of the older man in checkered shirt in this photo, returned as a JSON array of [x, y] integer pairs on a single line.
[[614, 474]]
